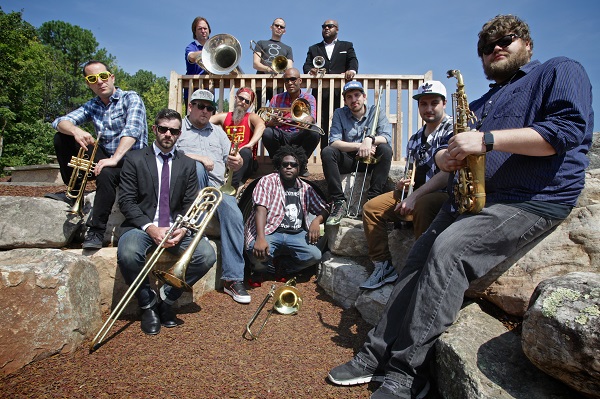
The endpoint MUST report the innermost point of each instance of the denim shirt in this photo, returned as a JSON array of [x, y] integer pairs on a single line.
[[346, 127]]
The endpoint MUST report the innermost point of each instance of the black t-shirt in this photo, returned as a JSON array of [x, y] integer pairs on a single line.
[[294, 217]]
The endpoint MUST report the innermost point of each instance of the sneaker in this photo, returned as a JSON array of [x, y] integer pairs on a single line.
[[353, 372], [383, 273], [338, 211], [391, 389], [237, 291], [93, 240]]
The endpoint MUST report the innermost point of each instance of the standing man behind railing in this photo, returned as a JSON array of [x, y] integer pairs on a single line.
[[339, 58], [193, 51]]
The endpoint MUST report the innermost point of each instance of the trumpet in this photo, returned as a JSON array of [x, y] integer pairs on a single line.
[[287, 301], [221, 55], [299, 110], [278, 64], [227, 188], [196, 219], [83, 167], [319, 63], [409, 173]]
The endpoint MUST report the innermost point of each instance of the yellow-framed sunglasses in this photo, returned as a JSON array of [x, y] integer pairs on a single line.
[[91, 79]]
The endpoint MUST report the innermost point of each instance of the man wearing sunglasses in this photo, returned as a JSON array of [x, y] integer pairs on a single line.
[[245, 128], [119, 118], [279, 225], [340, 58], [208, 145], [279, 131], [535, 124], [158, 183]]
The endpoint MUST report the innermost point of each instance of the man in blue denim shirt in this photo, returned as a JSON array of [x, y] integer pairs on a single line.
[[119, 119], [536, 126]]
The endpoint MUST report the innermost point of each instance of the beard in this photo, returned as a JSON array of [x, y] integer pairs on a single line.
[[238, 115], [503, 70]]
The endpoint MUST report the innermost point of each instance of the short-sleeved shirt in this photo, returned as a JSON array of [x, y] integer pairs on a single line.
[[271, 49], [284, 100], [191, 68]]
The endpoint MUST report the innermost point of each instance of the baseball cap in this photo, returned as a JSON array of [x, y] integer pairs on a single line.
[[352, 85], [204, 95], [431, 87]]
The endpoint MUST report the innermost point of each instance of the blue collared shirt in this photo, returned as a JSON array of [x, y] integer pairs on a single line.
[[346, 127], [124, 116]]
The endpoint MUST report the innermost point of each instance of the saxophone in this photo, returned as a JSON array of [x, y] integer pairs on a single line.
[[469, 191]]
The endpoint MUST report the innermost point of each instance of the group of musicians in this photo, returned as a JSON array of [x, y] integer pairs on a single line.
[[533, 129]]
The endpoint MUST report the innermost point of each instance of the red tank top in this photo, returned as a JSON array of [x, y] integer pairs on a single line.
[[240, 133]]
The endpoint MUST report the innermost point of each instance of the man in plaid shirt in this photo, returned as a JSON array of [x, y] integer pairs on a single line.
[[279, 225], [119, 120]]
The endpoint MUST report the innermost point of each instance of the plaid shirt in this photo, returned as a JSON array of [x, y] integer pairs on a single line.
[[269, 193], [124, 116], [424, 154], [284, 100]]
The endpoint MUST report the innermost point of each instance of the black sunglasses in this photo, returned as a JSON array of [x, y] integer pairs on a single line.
[[502, 42], [289, 164], [292, 79], [245, 100], [279, 26], [330, 26], [163, 129], [202, 107]]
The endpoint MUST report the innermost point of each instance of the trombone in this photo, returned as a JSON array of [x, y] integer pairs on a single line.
[[83, 167], [221, 55], [196, 219], [278, 64], [409, 170], [227, 188], [287, 301], [299, 110]]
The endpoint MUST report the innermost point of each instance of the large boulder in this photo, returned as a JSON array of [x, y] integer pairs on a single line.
[[561, 330], [340, 277], [49, 304]]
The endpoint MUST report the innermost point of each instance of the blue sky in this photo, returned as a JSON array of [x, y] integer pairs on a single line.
[[389, 36]]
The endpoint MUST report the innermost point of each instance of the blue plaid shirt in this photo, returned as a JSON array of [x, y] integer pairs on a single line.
[[124, 116], [423, 153]]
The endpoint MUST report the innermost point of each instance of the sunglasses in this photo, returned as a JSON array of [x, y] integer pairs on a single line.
[[91, 79], [244, 100], [163, 129], [502, 42], [289, 165], [202, 107], [330, 26], [279, 26], [292, 79]]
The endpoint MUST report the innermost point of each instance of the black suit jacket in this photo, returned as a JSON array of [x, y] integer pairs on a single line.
[[343, 57], [138, 189]]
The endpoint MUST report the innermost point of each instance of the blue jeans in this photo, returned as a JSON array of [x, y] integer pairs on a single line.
[[231, 222], [425, 301], [131, 258], [293, 249]]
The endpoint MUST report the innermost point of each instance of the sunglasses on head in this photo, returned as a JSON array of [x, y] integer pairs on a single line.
[[292, 79], [330, 26], [163, 129], [202, 107], [289, 164], [502, 42], [279, 26], [91, 79], [245, 100]]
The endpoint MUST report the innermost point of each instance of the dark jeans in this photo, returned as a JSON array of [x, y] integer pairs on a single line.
[[246, 170], [273, 138], [336, 163], [106, 182], [425, 301]]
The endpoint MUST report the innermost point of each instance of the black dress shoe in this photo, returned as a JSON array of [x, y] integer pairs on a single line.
[[167, 316], [150, 321]]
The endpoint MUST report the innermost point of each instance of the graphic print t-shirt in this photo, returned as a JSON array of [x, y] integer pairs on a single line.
[[292, 222]]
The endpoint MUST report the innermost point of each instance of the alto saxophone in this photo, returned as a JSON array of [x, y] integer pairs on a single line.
[[469, 191]]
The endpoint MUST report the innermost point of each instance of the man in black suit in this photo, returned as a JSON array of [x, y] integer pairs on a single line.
[[339, 58], [157, 184]]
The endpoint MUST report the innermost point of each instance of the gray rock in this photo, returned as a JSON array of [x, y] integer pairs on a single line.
[[347, 239], [371, 303], [561, 330], [340, 277]]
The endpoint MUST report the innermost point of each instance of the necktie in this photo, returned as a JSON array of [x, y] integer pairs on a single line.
[[164, 210]]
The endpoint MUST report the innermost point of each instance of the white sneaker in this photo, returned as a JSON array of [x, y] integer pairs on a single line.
[[383, 273]]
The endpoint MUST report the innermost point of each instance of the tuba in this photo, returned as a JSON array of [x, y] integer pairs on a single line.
[[221, 55], [469, 191], [299, 110], [83, 167], [196, 219]]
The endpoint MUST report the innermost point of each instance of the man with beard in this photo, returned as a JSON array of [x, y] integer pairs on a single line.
[[536, 125], [243, 128], [158, 183], [277, 133], [348, 141], [429, 193], [279, 225]]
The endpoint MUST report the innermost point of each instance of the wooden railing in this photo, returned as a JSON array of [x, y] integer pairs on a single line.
[[398, 105]]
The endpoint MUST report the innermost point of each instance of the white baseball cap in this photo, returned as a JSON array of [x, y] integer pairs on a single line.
[[431, 87]]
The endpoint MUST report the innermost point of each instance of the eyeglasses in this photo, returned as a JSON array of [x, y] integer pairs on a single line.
[[245, 100], [292, 79], [91, 79], [163, 129], [502, 42], [289, 165], [330, 26], [202, 107], [279, 26]]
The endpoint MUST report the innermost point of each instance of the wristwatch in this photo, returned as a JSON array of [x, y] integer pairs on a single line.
[[488, 141], [372, 137]]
